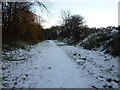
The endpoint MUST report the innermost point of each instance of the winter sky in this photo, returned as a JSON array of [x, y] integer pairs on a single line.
[[97, 13]]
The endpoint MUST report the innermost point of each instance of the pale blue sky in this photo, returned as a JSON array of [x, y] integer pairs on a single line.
[[97, 13]]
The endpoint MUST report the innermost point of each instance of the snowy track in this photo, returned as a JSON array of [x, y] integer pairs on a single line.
[[48, 67]]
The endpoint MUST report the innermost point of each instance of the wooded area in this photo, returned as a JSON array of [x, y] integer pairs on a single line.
[[20, 23]]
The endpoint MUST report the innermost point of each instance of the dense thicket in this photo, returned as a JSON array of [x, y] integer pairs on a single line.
[[19, 23]]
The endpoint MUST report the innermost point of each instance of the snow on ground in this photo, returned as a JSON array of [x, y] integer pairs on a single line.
[[53, 64], [102, 66]]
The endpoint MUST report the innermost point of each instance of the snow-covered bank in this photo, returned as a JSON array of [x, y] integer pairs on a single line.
[[50, 64], [102, 66]]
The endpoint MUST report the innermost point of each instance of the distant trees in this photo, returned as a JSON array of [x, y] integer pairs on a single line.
[[20, 23], [71, 25], [51, 33]]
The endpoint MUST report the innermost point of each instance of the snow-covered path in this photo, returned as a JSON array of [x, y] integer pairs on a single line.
[[48, 66], [60, 70]]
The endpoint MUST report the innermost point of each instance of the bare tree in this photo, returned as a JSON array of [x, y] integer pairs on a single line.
[[65, 15], [17, 18], [71, 24]]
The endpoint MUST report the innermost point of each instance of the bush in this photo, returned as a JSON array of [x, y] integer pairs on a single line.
[[113, 46], [109, 41]]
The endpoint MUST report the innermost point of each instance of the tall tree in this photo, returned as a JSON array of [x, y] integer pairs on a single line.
[[19, 22], [72, 25]]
